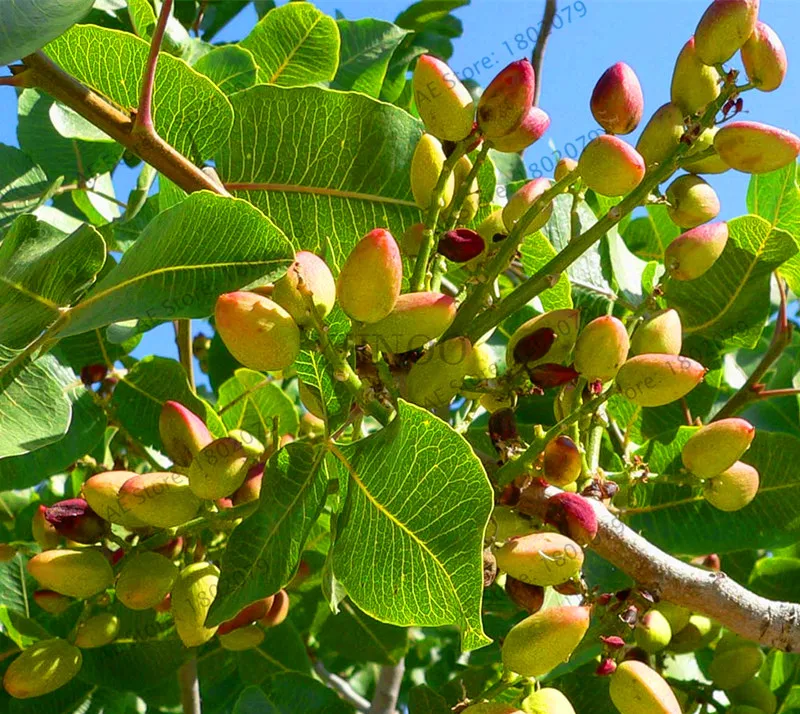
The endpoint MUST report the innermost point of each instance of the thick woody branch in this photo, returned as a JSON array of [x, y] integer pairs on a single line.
[[537, 58], [42, 73], [768, 622], [387, 688]]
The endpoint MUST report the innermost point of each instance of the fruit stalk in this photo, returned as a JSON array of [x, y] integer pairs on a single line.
[[473, 304], [517, 467], [183, 337], [419, 276], [539, 282]]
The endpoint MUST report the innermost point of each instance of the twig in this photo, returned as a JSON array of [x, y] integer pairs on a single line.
[[183, 337], [768, 622], [752, 390], [537, 58], [42, 73], [190, 687], [143, 123], [342, 688], [387, 688]]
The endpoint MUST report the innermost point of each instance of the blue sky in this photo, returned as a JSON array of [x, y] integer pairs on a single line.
[[594, 34]]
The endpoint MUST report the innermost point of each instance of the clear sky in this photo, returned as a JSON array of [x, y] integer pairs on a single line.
[[594, 34]]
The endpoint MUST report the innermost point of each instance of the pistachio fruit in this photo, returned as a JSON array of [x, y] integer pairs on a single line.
[[219, 469], [661, 333], [42, 668], [144, 580], [426, 166], [435, 379], [693, 253], [692, 201], [617, 101], [724, 28], [694, 84], [540, 558], [507, 100], [635, 688], [443, 102], [652, 632], [563, 323], [734, 488], [717, 446], [601, 349], [652, 380], [97, 631], [662, 134], [561, 461], [309, 277], [533, 127], [244, 638], [77, 573], [194, 592], [182, 432], [547, 701], [610, 166], [160, 499], [102, 493], [74, 519], [756, 148], [522, 200], [764, 58]]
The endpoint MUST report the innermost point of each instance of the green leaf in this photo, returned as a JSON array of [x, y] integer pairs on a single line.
[[367, 48], [291, 693], [143, 18], [409, 540], [93, 347], [535, 252], [433, 24], [250, 400], [678, 519], [777, 578], [22, 184], [264, 551], [28, 25], [191, 113], [71, 125], [140, 394], [16, 585], [776, 197], [424, 700], [231, 68], [72, 697], [294, 45], [57, 156], [395, 82], [343, 172], [85, 431], [185, 258], [33, 408], [360, 638], [282, 650], [318, 375], [97, 201], [648, 236], [731, 302], [627, 268], [132, 666], [41, 272]]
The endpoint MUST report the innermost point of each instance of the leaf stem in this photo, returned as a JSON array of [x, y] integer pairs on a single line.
[[143, 123], [419, 277], [183, 336], [519, 466]]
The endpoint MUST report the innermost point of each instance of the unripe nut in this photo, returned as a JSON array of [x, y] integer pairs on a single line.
[[692, 201], [522, 200], [610, 166], [426, 166], [698, 633], [247, 615], [51, 601], [533, 127], [734, 488], [617, 100], [694, 84], [540, 558], [102, 493], [507, 100], [662, 134], [523, 595], [309, 277], [279, 610], [183, 433], [601, 349], [561, 462], [764, 58], [257, 331], [661, 333], [218, 470], [369, 282], [693, 253], [244, 638], [443, 102], [42, 668], [544, 640], [160, 499], [77, 573], [724, 28], [635, 688], [756, 148], [74, 519], [192, 596], [250, 490], [547, 701], [652, 380], [97, 631], [717, 446], [145, 580], [652, 632]]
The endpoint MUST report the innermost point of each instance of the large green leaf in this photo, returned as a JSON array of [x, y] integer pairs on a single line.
[[409, 540], [730, 303], [326, 166], [291, 693], [648, 236], [28, 25], [776, 197], [264, 551], [42, 271], [535, 252], [56, 155], [231, 68], [21, 184], [85, 431], [93, 347], [140, 394], [190, 112], [282, 650], [294, 45], [251, 401], [367, 48], [185, 258], [34, 411], [317, 374], [678, 519], [134, 666], [777, 578]]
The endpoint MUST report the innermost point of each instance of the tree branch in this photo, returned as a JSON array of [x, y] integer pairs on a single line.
[[342, 688], [190, 687], [42, 73], [144, 114], [537, 58], [387, 688], [768, 622]]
